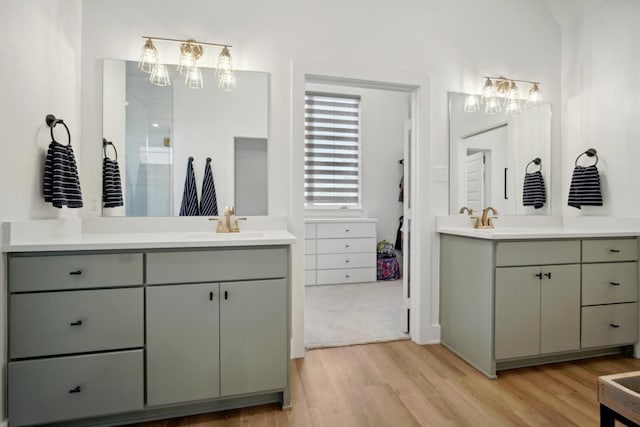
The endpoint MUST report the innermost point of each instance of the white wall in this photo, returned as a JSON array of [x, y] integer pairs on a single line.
[[448, 41], [382, 117], [601, 102], [40, 63]]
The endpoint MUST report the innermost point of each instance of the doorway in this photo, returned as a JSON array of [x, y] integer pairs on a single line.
[[362, 312]]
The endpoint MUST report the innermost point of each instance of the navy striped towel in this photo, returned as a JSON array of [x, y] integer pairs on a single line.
[[585, 187], [208, 202], [189, 205], [61, 182], [533, 192], [111, 184]]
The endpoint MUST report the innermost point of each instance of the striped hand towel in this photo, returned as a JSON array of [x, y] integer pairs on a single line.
[[189, 205], [111, 184], [61, 182], [585, 187], [533, 192], [208, 202]]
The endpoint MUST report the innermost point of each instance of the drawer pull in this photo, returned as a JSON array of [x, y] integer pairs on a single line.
[[347, 261], [76, 323], [614, 283], [615, 251], [539, 275], [346, 246], [614, 325], [75, 273], [346, 275], [210, 296], [346, 230], [226, 295], [548, 275], [75, 390]]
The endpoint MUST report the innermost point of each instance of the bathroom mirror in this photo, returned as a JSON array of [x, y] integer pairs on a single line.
[[490, 154], [156, 129]]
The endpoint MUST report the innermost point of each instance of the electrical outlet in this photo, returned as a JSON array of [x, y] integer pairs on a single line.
[[94, 204], [440, 174]]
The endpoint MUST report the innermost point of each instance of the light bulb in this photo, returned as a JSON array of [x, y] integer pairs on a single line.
[[512, 100], [224, 62], [488, 91], [190, 52], [194, 78], [534, 100]]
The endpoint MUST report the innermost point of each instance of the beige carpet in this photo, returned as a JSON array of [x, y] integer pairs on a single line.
[[338, 315]]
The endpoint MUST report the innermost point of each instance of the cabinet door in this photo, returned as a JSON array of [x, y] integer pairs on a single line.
[[517, 312], [182, 343], [560, 308], [253, 336]]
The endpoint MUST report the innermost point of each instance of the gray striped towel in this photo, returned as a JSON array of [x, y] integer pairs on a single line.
[[208, 201], [189, 205], [533, 192], [585, 187]]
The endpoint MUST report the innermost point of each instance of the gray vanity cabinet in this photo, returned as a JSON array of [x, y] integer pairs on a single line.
[[537, 310], [253, 336], [182, 343]]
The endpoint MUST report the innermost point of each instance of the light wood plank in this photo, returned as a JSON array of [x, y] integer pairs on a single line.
[[402, 383]]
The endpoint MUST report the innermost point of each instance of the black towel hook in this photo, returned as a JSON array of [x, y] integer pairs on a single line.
[[591, 152], [535, 161], [51, 121], [104, 148], [208, 159]]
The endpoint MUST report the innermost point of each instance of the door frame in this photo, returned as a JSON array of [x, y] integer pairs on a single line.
[[423, 329]]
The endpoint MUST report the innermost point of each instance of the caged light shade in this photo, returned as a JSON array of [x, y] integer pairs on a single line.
[[160, 75], [227, 82], [534, 99], [194, 78], [471, 104], [148, 57], [190, 52], [512, 100], [224, 65]]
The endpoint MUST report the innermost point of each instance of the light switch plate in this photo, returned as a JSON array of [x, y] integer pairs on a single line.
[[440, 174]]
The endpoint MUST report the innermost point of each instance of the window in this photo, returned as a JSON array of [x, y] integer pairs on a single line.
[[331, 150]]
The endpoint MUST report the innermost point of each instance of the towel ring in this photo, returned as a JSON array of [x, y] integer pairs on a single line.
[[591, 152], [104, 148], [52, 122], [535, 161]]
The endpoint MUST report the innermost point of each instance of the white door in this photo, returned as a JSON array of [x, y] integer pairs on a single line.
[[406, 225], [474, 181]]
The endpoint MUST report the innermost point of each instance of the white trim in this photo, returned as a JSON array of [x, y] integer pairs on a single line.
[[423, 226]]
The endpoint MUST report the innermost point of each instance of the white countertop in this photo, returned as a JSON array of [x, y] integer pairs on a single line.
[[537, 232], [148, 233]]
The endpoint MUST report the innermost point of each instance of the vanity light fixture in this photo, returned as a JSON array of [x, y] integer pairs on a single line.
[[190, 52], [495, 88], [471, 104]]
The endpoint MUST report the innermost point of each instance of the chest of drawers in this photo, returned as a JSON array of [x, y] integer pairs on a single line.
[[340, 251]]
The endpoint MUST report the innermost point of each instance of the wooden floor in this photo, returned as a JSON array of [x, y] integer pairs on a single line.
[[403, 384]]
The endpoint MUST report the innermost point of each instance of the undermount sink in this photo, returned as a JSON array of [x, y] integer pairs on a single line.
[[212, 235]]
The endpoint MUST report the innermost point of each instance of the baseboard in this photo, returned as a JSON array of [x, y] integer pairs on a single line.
[[434, 334], [3, 424]]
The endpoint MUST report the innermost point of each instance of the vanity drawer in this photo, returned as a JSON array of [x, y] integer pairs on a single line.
[[63, 388], [309, 246], [216, 265], [309, 262], [347, 229], [332, 246], [58, 272], [609, 250], [356, 260], [56, 323], [613, 324], [609, 283], [309, 231], [537, 252], [310, 277], [351, 275]]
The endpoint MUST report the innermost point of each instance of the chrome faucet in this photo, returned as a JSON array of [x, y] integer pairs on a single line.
[[224, 224], [464, 208]]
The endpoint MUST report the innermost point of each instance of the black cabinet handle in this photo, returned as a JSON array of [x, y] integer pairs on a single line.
[[539, 275], [614, 325], [76, 323], [210, 296], [614, 283], [548, 275], [226, 295], [347, 261], [615, 251], [346, 275], [346, 246], [75, 390], [75, 273]]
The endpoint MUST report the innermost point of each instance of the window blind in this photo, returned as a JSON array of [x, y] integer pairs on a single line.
[[332, 150]]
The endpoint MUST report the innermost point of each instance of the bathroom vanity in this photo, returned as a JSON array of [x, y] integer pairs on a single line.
[[115, 328], [511, 298]]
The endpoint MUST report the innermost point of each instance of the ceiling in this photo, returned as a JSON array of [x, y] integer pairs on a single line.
[[565, 10]]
